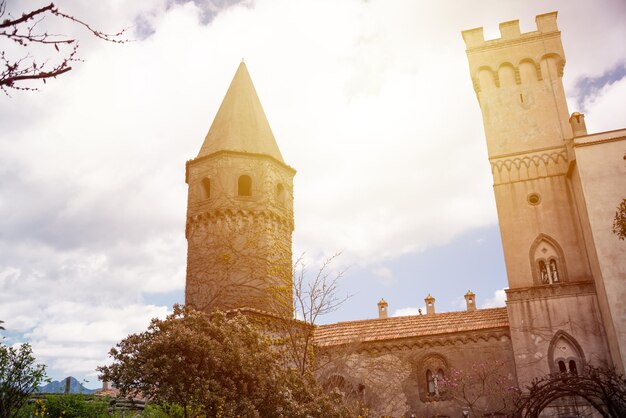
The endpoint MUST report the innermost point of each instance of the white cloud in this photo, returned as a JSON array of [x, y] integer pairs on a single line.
[[606, 111], [385, 274], [74, 338], [409, 311], [498, 300]]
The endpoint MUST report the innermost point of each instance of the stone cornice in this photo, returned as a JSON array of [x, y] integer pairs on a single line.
[[604, 140], [550, 291], [211, 216], [527, 152]]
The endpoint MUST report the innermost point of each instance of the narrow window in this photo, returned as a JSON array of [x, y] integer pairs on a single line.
[[554, 272], [244, 186], [543, 273], [562, 367], [572, 367], [431, 382], [280, 194], [438, 381], [206, 186]]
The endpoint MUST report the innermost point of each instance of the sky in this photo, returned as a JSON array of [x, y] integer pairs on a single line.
[[370, 101]]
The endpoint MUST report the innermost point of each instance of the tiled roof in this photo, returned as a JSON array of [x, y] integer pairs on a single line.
[[410, 326]]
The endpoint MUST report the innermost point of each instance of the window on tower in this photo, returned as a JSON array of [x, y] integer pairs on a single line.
[[548, 272], [565, 354], [547, 259], [554, 271], [244, 186], [206, 187], [280, 194], [543, 272]]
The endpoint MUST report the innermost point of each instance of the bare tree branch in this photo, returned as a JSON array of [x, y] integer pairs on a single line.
[[24, 32]]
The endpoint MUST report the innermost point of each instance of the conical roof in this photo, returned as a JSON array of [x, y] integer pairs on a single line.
[[240, 123]]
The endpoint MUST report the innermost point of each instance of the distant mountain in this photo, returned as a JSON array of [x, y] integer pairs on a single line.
[[59, 387]]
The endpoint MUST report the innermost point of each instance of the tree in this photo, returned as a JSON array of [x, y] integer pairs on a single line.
[[21, 66], [482, 389], [619, 222], [215, 365], [313, 297], [604, 389], [19, 378]]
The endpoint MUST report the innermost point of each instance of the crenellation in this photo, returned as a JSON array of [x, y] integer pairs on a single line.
[[473, 37], [510, 29], [510, 33], [546, 22]]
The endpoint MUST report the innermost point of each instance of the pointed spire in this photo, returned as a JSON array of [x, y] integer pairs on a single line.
[[240, 123]]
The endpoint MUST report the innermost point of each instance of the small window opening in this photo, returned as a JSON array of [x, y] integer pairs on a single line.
[[244, 186], [280, 194], [562, 367], [543, 272], [521, 98], [434, 380], [554, 271], [431, 382], [572, 367], [206, 186]]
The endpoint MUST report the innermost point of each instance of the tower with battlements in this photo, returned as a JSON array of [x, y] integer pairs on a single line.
[[239, 211], [556, 304]]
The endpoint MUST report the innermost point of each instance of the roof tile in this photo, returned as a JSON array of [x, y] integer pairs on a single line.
[[410, 326]]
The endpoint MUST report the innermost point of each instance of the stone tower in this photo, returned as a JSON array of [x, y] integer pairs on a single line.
[[553, 308], [239, 211]]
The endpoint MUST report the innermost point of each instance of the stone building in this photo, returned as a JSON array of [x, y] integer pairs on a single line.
[[239, 210], [556, 190]]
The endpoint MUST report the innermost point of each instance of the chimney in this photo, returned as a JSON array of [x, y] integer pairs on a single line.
[[382, 309], [577, 120], [470, 300], [430, 305]]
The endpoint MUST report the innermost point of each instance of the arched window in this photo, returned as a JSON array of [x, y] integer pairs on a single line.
[[565, 354], [547, 260], [206, 187], [431, 372], [280, 194], [431, 382], [244, 186]]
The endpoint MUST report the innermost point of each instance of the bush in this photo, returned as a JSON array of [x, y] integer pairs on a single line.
[[67, 406]]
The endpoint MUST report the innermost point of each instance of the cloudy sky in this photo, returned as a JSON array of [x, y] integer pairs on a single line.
[[370, 101]]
